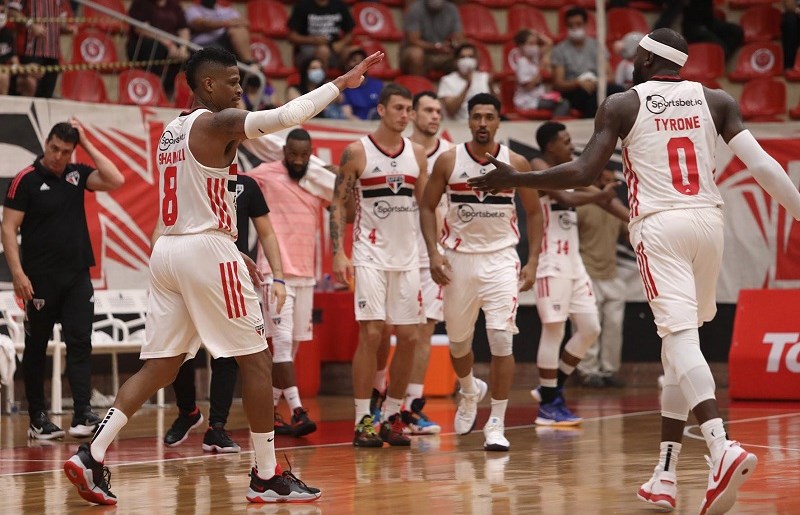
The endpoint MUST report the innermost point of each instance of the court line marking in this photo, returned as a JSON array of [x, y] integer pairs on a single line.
[[687, 430], [207, 456]]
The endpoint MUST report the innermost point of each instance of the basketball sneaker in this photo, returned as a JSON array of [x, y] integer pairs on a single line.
[[301, 425], [726, 476], [556, 413], [661, 490], [365, 434], [393, 431], [375, 404], [42, 428], [494, 431], [179, 431], [92, 479], [282, 487], [84, 423], [467, 410], [281, 427], [217, 439], [417, 423], [536, 393]]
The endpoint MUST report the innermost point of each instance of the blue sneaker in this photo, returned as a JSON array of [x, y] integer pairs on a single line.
[[417, 422], [557, 414], [375, 404]]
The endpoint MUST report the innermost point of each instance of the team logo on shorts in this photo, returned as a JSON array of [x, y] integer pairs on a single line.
[[362, 304], [38, 304], [395, 182], [260, 330], [556, 307], [73, 178]]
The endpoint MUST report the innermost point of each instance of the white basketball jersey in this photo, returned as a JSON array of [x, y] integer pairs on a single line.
[[442, 146], [385, 232], [669, 152], [193, 198], [560, 254], [477, 221]]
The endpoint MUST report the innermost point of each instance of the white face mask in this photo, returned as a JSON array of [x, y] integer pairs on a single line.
[[577, 35], [3, 19], [316, 75], [467, 65], [531, 51]]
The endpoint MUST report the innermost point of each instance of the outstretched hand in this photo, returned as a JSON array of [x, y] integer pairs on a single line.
[[355, 77], [503, 177]]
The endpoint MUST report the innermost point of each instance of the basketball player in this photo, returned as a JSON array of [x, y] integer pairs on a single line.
[[669, 128], [200, 289], [387, 173], [563, 288], [426, 118], [480, 268]]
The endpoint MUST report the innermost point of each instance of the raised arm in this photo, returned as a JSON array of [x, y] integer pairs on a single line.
[[350, 166], [435, 188], [529, 198]]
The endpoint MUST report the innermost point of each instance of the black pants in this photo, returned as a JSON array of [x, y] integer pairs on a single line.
[[790, 37], [46, 86], [223, 381], [585, 102], [67, 298]]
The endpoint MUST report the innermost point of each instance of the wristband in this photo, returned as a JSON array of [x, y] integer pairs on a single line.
[[279, 281]]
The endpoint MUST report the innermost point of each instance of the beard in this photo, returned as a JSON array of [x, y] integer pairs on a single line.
[[294, 173]]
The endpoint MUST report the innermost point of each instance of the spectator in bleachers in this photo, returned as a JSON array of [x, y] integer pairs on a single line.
[[250, 94], [790, 31], [700, 25], [312, 75], [321, 29], [8, 54], [626, 48], [221, 26], [38, 43], [361, 103], [574, 61], [432, 32], [168, 16], [456, 88], [534, 49]]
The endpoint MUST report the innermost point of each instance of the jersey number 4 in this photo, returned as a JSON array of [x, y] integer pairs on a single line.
[[683, 166]]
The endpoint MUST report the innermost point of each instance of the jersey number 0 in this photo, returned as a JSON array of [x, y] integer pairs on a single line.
[[683, 166]]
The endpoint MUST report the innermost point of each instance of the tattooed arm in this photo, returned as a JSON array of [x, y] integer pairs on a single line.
[[350, 167]]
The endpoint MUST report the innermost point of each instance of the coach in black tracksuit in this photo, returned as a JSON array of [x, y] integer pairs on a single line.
[[45, 204]]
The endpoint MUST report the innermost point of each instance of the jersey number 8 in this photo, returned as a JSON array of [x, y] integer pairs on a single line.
[[169, 205]]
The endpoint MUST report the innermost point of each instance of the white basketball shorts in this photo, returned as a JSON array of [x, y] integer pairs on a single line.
[[295, 316], [559, 297], [388, 295], [432, 297]]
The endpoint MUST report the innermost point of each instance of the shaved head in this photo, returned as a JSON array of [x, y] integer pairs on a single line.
[[647, 64], [670, 38]]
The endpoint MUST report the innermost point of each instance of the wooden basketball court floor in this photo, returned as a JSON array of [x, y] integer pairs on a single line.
[[596, 469]]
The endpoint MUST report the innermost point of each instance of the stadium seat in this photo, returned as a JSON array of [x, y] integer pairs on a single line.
[[269, 17], [83, 86], [794, 113], [545, 4], [183, 95], [138, 87], [496, 4], [94, 47], [485, 61], [644, 5], [507, 89], [415, 84], [761, 23], [793, 73], [479, 24], [622, 20], [562, 24], [706, 64], [266, 53], [744, 4], [510, 56], [758, 60], [383, 70], [103, 21], [375, 20], [522, 16], [763, 100]]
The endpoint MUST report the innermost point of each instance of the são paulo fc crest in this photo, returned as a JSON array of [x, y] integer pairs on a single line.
[[73, 177], [362, 304], [38, 304], [395, 182]]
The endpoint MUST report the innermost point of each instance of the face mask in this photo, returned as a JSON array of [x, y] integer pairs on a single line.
[[531, 51], [467, 65], [576, 35], [3, 19], [316, 75]]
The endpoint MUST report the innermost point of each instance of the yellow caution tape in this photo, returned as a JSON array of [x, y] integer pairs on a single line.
[[25, 69]]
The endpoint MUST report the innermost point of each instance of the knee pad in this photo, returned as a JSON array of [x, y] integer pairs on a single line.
[[586, 330], [550, 346], [673, 402], [460, 349], [682, 353], [281, 348], [501, 343]]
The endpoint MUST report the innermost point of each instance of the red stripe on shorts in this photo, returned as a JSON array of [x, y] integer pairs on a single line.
[[239, 288], [232, 286], [223, 277]]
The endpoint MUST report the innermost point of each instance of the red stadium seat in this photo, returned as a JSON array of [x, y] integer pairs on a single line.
[[706, 64], [415, 84], [793, 74], [83, 86], [522, 16], [103, 21], [183, 95], [761, 23], [479, 24], [794, 114], [545, 4], [758, 60], [622, 20], [507, 89], [266, 53], [562, 23], [269, 17], [137, 87], [94, 47], [763, 100], [496, 4], [744, 4], [644, 5], [485, 61], [375, 20], [383, 70]]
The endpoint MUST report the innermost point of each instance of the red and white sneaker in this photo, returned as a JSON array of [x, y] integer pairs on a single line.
[[660, 491], [726, 476]]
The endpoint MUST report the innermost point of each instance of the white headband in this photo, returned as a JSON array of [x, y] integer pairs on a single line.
[[662, 50]]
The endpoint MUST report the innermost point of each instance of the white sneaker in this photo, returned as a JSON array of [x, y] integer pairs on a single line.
[[495, 438], [468, 408], [725, 477], [661, 490]]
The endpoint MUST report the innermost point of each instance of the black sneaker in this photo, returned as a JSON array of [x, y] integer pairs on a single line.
[[393, 431], [301, 424], [179, 431], [282, 487], [281, 427], [42, 429], [365, 434], [92, 478], [84, 423], [219, 440]]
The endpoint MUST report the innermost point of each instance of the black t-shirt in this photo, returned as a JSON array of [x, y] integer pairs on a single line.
[[332, 21], [55, 236], [7, 43], [250, 203]]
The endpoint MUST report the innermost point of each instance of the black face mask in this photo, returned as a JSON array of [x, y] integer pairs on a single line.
[[294, 173], [208, 3]]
